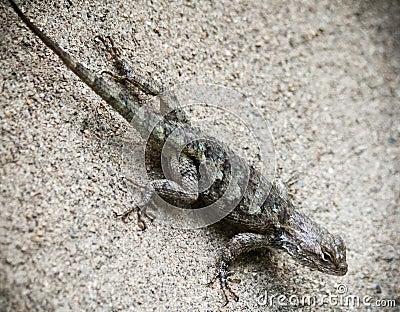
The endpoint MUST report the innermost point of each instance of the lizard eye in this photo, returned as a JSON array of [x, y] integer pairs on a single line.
[[326, 256]]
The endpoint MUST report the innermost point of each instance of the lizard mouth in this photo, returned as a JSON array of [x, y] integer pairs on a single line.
[[338, 270], [342, 269]]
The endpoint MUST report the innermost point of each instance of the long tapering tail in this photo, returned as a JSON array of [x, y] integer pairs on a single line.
[[97, 84]]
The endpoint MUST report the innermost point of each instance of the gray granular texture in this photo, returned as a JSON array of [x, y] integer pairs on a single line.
[[325, 76]]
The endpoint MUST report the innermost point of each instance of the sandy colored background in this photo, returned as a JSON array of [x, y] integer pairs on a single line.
[[326, 77]]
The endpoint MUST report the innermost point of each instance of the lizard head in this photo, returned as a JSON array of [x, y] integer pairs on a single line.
[[313, 246]]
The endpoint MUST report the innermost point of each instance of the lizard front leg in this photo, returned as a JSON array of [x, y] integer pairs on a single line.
[[240, 243], [181, 186]]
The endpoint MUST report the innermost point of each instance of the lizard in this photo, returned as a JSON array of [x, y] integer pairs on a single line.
[[270, 221]]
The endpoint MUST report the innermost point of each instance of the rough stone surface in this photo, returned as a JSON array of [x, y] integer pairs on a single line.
[[326, 77]]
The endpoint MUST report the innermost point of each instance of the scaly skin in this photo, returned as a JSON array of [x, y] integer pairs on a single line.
[[266, 222]]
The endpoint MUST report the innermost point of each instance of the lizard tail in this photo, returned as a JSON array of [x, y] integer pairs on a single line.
[[97, 84]]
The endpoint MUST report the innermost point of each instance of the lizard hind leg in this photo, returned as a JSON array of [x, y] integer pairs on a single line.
[[126, 74]]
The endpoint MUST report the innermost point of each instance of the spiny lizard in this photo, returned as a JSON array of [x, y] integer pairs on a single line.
[[272, 223]]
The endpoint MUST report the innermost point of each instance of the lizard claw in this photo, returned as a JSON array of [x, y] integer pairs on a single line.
[[222, 274], [141, 214], [118, 78], [109, 45]]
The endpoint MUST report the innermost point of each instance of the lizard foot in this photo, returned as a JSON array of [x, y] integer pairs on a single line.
[[222, 274], [141, 214], [115, 53], [126, 74], [290, 182], [285, 188], [110, 46]]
